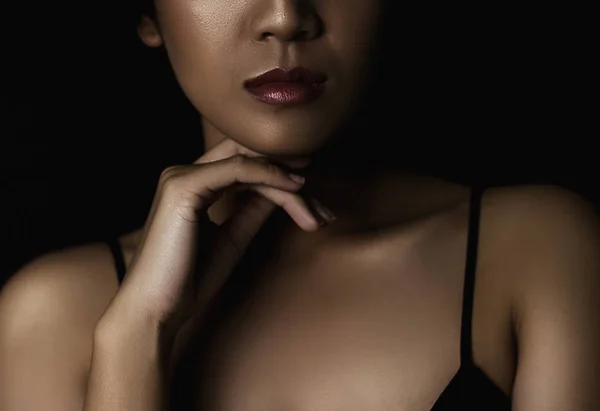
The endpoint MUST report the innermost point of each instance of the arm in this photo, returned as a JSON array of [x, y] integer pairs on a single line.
[[127, 366], [178, 269], [557, 311]]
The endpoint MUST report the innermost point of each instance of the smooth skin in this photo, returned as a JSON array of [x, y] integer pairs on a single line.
[[357, 312], [537, 282]]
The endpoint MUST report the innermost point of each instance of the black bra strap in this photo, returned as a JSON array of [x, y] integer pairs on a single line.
[[119, 260], [466, 349]]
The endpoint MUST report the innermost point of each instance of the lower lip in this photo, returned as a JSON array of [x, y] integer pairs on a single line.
[[287, 94]]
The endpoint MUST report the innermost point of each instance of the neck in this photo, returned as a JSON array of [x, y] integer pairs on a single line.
[[337, 176], [360, 182]]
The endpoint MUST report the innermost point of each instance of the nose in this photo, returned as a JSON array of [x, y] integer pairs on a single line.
[[287, 20]]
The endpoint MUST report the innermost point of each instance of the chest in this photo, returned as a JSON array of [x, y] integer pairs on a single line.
[[362, 328]]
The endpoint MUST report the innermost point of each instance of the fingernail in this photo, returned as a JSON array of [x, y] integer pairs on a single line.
[[298, 179], [324, 212]]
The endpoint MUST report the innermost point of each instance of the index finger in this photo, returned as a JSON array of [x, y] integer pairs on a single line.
[[225, 149], [228, 148]]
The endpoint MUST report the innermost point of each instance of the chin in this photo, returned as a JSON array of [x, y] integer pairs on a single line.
[[283, 147], [272, 141]]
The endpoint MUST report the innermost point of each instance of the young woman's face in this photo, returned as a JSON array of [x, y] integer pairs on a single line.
[[218, 48]]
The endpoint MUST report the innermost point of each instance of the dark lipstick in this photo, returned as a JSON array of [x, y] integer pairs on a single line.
[[283, 87]]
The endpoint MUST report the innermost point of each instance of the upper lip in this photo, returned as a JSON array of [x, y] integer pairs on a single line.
[[280, 75]]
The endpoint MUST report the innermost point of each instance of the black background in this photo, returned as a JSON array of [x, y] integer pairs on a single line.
[[91, 117]]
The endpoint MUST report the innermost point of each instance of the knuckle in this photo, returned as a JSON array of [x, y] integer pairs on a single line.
[[171, 186], [167, 176], [273, 170], [238, 164], [169, 172], [171, 181], [238, 160]]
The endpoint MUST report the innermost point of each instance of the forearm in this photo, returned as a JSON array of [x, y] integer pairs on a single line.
[[126, 371]]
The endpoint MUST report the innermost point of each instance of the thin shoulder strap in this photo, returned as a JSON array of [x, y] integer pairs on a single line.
[[466, 349], [119, 260]]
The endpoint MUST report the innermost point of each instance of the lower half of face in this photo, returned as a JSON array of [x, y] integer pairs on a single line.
[[280, 77]]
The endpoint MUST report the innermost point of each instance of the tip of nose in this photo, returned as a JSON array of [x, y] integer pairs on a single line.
[[289, 24]]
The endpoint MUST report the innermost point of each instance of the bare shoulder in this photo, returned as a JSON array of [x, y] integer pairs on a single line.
[[48, 313], [533, 220], [525, 228], [543, 243], [545, 201], [73, 285]]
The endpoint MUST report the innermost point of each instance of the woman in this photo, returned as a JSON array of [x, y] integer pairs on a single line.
[[417, 294]]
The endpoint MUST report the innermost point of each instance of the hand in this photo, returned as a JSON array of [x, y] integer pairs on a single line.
[[162, 284]]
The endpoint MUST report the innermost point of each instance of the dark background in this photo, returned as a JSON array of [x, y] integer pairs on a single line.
[[91, 117]]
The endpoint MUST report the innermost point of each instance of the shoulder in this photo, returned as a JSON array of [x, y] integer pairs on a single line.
[[48, 313], [545, 242], [60, 291], [537, 223], [540, 245], [536, 231], [540, 201]]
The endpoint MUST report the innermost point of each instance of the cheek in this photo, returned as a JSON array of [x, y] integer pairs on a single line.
[[211, 53], [198, 38], [213, 16], [197, 29]]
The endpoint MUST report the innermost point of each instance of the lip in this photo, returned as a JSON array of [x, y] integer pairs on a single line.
[[287, 87]]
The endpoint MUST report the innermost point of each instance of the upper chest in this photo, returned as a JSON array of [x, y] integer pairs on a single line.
[[373, 324]]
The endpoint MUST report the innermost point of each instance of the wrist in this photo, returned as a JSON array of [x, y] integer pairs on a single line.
[[122, 328], [126, 325], [127, 367]]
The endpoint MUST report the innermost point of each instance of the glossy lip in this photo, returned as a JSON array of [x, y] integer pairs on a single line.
[[287, 87]]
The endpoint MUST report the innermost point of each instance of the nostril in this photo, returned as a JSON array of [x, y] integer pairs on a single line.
[[266, 36], [302, 35]]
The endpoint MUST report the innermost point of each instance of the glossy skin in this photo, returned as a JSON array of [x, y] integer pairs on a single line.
[[214, 47], [361, 313]]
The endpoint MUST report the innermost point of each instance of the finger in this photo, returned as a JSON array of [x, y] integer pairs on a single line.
[[324, 212], [225, 149], [203, 183], [229, 147], [308, 214], [307, 218]]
